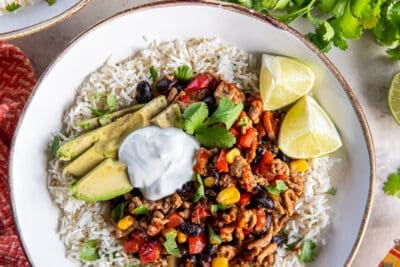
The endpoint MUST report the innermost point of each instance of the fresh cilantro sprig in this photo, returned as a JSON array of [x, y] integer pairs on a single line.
[[209, 131], [338, 21], [183, 73], [170, 245], [392, 185], [12, 7], [308, 251]]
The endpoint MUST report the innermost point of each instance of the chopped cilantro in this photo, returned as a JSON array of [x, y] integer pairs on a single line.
[[153, 73], [12, 7], [278, 188], [307, 252], [89, 251], [331, 191], [183, 73], [117, 213], [392, 185], [142, 209], [216, 207], [214, 239], [170, 245], [200, 189], [244, 121], [84, 125], [55, 145]]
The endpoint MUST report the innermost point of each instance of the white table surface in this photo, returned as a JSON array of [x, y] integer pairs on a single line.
[[364, 65]]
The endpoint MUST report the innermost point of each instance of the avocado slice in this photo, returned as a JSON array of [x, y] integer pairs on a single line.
[[116, 129], [169, 117], [107, 181], [93, 123]]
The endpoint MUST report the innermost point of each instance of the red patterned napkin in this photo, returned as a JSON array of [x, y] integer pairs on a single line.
[[16, 82]]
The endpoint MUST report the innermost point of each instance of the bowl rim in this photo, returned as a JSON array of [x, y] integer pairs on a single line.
[[43, 24], [243, 11]]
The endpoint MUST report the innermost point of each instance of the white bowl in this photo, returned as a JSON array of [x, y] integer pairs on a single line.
[[118, 37], [36, 17]]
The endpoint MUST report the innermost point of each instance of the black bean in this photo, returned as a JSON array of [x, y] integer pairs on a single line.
[[279, 239], [190, 229], [211, 193], [259, 154], [187, 191], [283, 157], [164, 84], [261, 199], [210, 101], [143, 92]]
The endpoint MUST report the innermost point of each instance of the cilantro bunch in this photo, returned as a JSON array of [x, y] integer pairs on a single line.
[[212, 131], [338, 21]]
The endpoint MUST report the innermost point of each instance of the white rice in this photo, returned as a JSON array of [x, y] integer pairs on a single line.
[[80, 221], [22, 3]]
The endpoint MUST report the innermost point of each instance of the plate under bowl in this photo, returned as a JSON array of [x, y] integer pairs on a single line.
[[121, 35]]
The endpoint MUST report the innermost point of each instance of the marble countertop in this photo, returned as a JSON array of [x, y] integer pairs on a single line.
[[364, 65]]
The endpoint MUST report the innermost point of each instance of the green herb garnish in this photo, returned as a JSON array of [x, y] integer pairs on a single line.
[[171, 246], [278, 188], [12, 7], [86, 126], [112, 105], [307, 252], [153, 73], [117, 213], [51, 2], [293, 245], [200, 189], [183, 73], [55, 145], [331, 191], [213, 238], [209, 132], [216, 207], [392, 185], [142, 209], [89, 251], [244, 121]]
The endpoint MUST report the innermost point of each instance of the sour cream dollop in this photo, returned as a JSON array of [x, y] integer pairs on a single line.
[[159, 160]]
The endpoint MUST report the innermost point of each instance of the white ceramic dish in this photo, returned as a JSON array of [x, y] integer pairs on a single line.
[[119, 37], [36, 17]]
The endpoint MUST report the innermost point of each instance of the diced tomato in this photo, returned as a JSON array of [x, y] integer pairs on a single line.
[[197, 244], [199, 213], [247, 231], [247, 139], [174, 220], [222, 164], [201, 81], [150, 251], [244, 199], [134, 242], [267, 158], [281, 177], [185, 98], [261, 220]]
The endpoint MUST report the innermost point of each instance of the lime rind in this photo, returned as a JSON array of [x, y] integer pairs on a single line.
[[394, 98]]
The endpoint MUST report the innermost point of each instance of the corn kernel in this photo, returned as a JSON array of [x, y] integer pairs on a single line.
[[209, 181], [275, 196], [125, 222], [228, 196], [169, 230], [232, 154], [182, 238], [299, 165], [220, 262]]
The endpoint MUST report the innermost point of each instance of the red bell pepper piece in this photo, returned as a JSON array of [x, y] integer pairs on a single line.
[[244, 199], [246, 140], [261, 220], [174, 220], [201, 81], [185, 99], [150, 251], [196, 244], [134, 242], [222, 164], [200, 212]]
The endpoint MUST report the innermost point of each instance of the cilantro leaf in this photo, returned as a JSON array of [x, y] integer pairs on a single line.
[[118, 211], [331, 191], [307, 252], [278, 188], [55, 145], [170, 245], [215, 136], [200, 193], [89, 251], [394, 52], [216, 207], [213, 238], [349, 25], [183, 73], [12, 7], [246, 3], [194, 116], [112, 102], [142, 210], [227, 112], [392, 185], [153, 73], [358, 7], [393, 13]]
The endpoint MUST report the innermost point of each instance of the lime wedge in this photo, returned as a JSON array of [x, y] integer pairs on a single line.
[[283, 80], [394, 97], [307, 131]]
